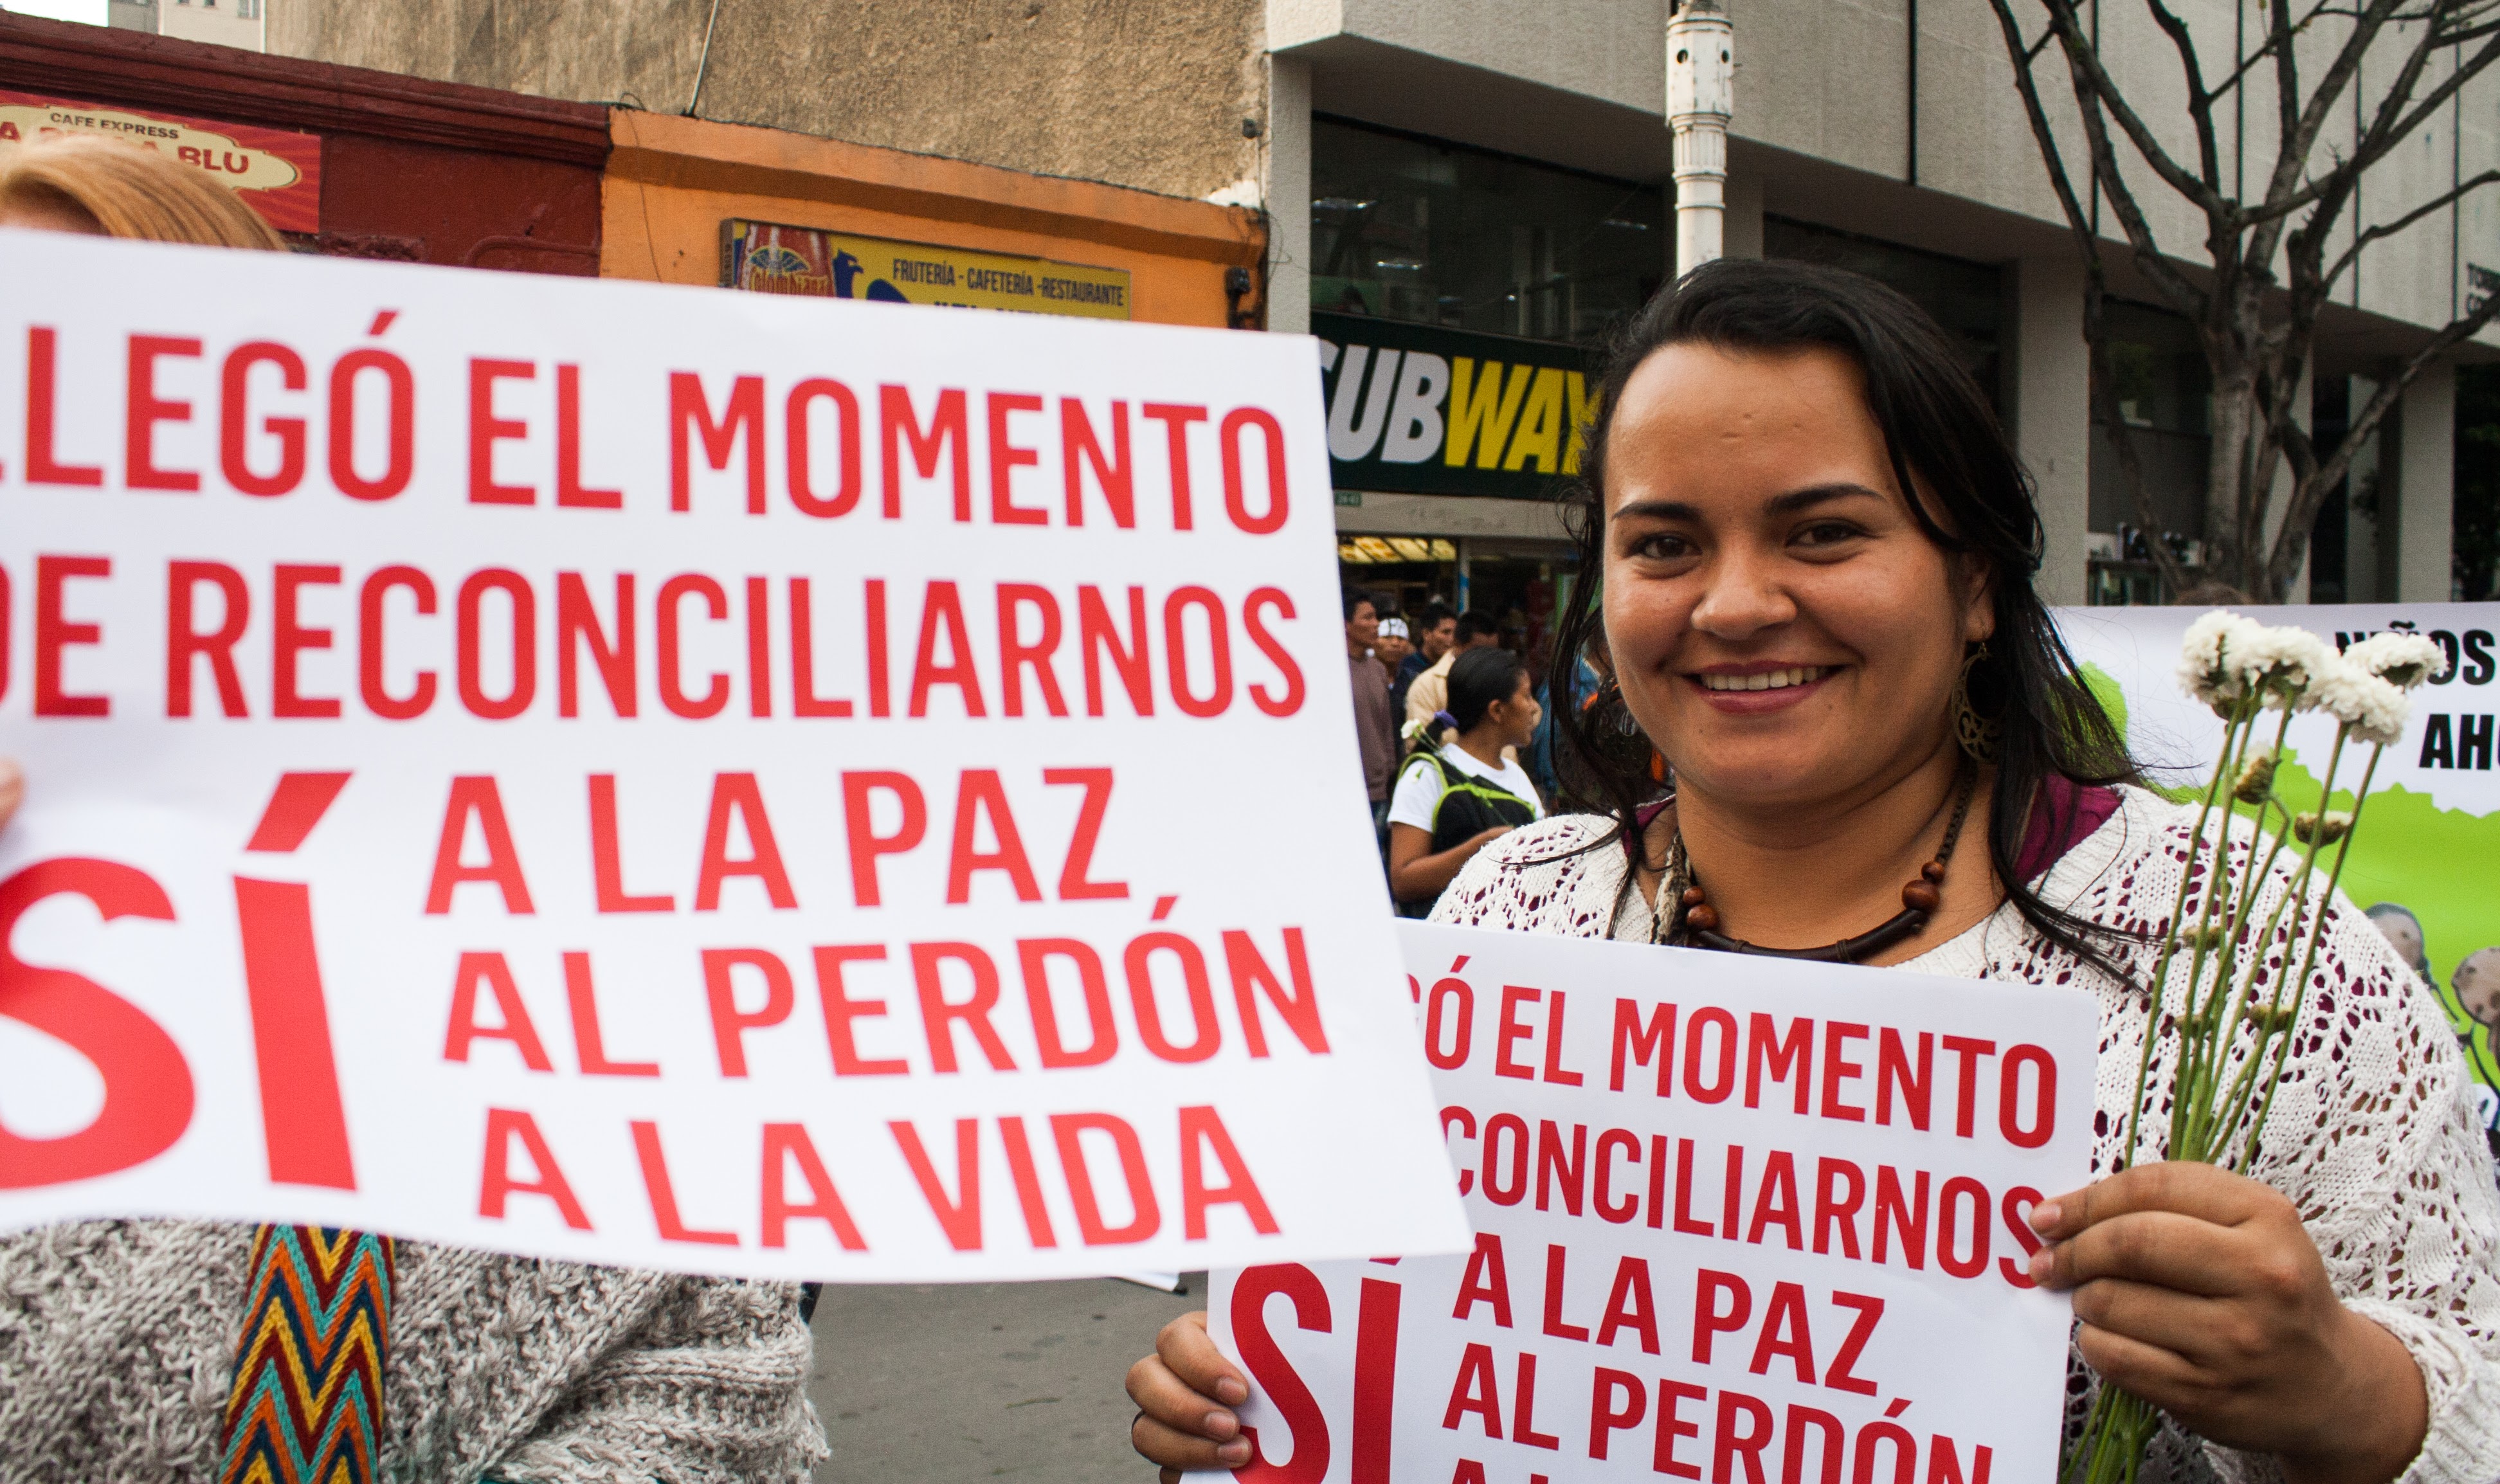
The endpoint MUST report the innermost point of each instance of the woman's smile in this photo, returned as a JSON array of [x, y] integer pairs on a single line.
[[1762, 685]]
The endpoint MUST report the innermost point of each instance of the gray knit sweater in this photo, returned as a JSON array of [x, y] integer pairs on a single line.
[[117, 1339]]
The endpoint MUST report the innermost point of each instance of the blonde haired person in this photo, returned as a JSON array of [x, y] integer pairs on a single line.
[[106, 188], [146, 1351]]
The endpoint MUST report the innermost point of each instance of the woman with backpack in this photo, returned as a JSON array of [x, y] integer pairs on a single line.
[[1453, 800]]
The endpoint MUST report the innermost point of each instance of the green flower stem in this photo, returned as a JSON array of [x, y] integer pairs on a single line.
[[2248, 882], [2218, 1143], [2205, 1044], [2309, 960], [2170, 951], [2193, 1137], [2213, 1113]]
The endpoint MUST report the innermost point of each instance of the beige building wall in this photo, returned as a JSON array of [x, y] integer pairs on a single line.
[[1143, 94]]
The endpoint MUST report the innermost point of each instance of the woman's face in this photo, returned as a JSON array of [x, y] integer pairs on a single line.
[[1783, 630], [1518, 716]]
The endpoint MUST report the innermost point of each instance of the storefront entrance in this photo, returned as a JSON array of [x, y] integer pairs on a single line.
[[1519, 584]]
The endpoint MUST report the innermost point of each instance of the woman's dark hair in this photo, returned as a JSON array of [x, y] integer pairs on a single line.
[[1478, 679], [1940, 435]]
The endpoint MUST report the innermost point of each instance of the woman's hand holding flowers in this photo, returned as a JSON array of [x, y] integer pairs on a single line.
[[2200, 1293]]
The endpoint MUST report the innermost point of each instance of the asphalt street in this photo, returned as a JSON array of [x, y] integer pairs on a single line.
[[949, 1383]]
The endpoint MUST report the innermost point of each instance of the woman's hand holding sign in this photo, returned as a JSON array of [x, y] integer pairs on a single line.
[[2200, 1292], [1185, 1394]]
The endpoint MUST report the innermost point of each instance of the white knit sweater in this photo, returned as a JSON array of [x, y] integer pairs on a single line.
[[2372, 1135], [118, 1342]]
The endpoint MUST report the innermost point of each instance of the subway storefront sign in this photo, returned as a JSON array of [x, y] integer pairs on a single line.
[[1415, 408]]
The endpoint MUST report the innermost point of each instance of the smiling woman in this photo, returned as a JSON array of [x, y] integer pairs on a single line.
[[1818, 553], [1815, 610]]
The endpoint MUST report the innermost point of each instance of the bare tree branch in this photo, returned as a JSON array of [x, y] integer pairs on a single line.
[[2464, 72], [2060, 179], [2386, 139], [2299, 126], [2200, 103], [2352, 254], [2086, 63], [2383, 133], [2271, 277], [2332, 469], [2265, 49], [2103, 396], [2148, 258]]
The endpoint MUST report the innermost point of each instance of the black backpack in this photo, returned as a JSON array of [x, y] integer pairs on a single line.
[[1468, 806]]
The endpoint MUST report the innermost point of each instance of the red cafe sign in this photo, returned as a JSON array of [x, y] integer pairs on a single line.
[[277, 172]]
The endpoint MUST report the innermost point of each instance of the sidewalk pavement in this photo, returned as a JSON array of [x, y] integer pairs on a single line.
[[951, 1383]]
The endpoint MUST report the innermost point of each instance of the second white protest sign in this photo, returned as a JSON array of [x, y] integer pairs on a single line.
[[1736, 1218]]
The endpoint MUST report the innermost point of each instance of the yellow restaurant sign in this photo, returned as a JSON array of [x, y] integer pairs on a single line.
[[776, 259]]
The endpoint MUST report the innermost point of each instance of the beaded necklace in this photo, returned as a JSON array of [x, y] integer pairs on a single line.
[[1920, 898]]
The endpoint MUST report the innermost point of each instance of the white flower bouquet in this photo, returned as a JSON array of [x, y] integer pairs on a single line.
[[2220, 1024]]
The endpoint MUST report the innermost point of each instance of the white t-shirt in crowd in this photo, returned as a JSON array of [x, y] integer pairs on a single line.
[[1418, 793]]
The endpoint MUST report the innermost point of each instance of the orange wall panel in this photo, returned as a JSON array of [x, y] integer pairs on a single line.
[[671, 182]]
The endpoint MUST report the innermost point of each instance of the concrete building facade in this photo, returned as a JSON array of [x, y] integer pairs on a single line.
[[1457, 190]]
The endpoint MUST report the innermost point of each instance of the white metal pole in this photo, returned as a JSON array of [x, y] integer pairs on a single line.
[[1701, 95]]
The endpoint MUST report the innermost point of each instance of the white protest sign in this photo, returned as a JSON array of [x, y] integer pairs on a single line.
[[663, 777], [1737, 1218]]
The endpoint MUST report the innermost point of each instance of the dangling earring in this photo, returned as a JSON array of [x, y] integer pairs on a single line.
[[1977, 734], [1610, 693]]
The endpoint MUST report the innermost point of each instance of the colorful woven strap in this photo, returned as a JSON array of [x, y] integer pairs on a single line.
[[306, 1403]]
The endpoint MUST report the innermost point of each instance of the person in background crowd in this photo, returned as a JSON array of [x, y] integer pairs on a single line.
[[1431, 692], [1437, 629], [1393, 650], [1808, 554], [1374, 723], [2213, 592], [2404, 933], [151, 1352], [1514, 633], [1454, 800]]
